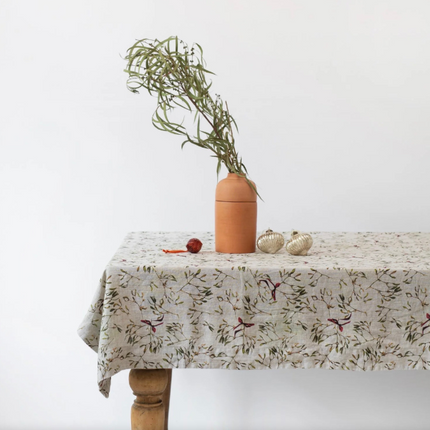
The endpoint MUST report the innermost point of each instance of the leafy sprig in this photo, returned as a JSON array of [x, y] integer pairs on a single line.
[[176, 74]]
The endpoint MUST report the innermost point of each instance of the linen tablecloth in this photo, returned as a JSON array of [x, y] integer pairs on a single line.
[[358, 301]]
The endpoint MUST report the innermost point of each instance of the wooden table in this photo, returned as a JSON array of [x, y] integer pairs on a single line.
[[358, 301]]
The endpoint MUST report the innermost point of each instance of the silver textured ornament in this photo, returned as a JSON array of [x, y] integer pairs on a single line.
[[270, 242], [299, 244]]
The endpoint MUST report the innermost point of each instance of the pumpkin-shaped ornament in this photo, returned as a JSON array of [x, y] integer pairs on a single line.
[[299, 244], [270, 242]]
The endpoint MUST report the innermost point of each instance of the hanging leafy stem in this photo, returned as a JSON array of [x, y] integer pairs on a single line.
[[177, 75]]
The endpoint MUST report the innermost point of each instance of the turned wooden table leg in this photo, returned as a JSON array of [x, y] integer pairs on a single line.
[[166, 398], [149, 410]]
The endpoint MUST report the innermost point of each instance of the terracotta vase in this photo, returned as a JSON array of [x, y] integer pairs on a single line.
[[235, 216]]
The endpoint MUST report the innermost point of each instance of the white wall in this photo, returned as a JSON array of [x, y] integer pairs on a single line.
[[332, 99]]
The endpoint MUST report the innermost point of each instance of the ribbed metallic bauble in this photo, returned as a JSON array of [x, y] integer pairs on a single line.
[[270, 242], [299, 244]]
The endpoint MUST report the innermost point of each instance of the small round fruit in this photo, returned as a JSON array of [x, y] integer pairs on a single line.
[[194, 245]]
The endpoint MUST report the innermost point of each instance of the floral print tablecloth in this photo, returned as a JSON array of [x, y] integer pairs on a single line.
[[358, 301]]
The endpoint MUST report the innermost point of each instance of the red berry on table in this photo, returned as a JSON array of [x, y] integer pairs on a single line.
[[194, 245]]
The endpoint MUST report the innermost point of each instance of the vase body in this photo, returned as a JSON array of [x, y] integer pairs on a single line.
[[235, 216]]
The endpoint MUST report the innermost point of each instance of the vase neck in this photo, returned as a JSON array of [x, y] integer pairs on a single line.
[[233, 176]]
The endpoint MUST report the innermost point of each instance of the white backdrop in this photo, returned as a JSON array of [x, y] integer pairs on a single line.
[[332, 99]]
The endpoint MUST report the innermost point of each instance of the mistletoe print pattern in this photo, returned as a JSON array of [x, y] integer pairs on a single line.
[[359, 301]]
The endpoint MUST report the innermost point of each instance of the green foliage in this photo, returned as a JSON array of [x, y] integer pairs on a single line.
[[177, 76]]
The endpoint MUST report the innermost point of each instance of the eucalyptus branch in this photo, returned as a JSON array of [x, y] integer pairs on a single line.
[[177, 76]]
